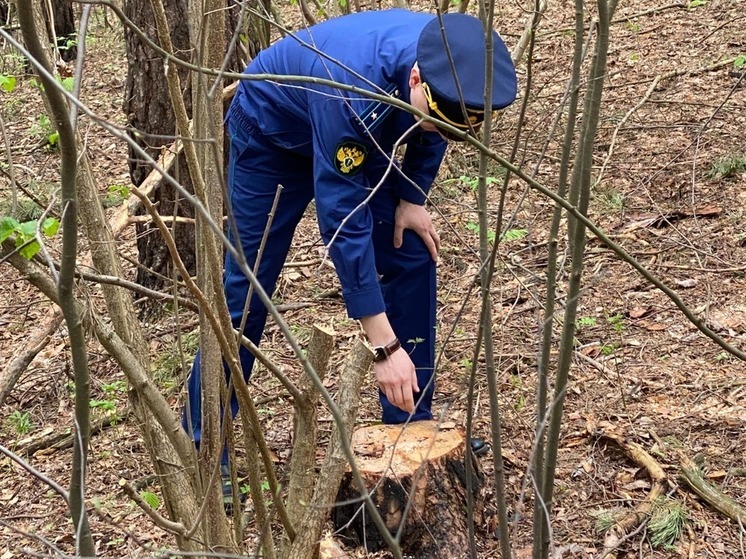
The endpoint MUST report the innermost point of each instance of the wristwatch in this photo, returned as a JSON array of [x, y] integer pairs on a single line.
[[383, 352]]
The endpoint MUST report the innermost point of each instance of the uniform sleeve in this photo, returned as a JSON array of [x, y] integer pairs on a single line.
[[340, 186], [422, 160]]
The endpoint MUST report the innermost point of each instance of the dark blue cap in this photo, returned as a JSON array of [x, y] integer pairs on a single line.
[[464, 35]]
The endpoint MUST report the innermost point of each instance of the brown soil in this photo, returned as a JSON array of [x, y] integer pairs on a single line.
[[641, 369]]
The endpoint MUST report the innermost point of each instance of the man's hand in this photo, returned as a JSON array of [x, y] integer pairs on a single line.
[[397, 379], [417, 218]]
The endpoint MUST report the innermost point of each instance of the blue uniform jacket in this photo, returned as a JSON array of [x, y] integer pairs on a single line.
[[345, 134]]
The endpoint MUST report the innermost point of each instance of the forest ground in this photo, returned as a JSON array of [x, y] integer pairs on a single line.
[[670, 166]]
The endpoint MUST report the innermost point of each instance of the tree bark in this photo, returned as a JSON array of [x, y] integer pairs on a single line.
[[152, 126], [61, 27], [417, 479]]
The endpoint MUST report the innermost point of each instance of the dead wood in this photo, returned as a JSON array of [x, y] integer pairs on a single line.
[[416, 477], [34, 344], [616, 535], [692, 477], [357, 365], [305, 426], [62, 440], [154, 180]]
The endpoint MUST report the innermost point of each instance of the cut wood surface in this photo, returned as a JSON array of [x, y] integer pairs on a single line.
[[416, 476]]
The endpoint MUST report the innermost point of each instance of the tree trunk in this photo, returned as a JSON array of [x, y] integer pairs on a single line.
[[152, 126], [150, 117], [61, 27], [419, 478]]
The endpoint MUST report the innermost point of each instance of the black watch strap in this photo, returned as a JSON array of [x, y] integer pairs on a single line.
[[383, 352]]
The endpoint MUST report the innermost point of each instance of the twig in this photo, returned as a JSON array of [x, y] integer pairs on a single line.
[[36, 473], [165, 523], [622, 19], [610, 152]]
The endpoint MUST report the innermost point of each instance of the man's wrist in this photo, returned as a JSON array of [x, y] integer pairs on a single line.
[[383, 352]]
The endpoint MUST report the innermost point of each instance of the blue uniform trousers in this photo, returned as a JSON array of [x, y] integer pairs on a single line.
[[407, 274]]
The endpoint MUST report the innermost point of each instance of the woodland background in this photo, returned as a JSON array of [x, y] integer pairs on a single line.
[[663, 177]]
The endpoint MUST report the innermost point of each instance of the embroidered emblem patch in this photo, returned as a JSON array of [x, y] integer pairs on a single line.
[[349, 157]]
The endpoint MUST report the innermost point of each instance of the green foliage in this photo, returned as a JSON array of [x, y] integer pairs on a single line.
[[20, 421], [473, 182], [70, 41], [696, 4], [25, 233], [611, 199], [113, 388], [44, 130], [633, 27], [474, 228], [116, 194], [106, 405], [727, 166], [739, 62], [520, 403], [605, 519], [585, 321], [515, 234], [150, 498], [67, 83], [667, 522], [7, 83], [616, 322]]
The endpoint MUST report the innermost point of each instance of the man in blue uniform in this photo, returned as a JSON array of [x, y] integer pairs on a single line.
[[335, 146]]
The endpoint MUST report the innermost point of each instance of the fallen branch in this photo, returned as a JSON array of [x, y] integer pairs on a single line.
[[631, 521], [35, 343], [692, 477], [63, 440], [154, 180]]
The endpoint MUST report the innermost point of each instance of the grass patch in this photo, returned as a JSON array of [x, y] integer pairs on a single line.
[[727, 166]]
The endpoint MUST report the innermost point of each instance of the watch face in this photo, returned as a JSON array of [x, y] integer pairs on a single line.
[[380, 353]]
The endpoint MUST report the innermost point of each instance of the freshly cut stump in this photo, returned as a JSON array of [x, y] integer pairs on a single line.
[[424, 464]]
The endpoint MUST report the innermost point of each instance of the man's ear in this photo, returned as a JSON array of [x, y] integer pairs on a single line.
[[414, 76]]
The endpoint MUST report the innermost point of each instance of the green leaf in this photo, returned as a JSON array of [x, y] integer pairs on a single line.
[[28, 251], [53, 138], [68, 84], [515, 234], [8, 226], [50, 226], [150, 498], [739, 62], [696, 4], [7, 83], [27, 229], [106, 405]]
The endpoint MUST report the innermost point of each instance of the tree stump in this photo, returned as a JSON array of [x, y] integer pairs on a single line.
[[421, 466]]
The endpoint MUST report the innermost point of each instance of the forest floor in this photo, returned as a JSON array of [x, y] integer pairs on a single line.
[[669, 186]]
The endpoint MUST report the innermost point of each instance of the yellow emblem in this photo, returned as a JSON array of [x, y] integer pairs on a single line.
[[350, 156]]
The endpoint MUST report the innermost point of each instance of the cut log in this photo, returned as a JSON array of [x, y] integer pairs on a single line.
[[417, 479]]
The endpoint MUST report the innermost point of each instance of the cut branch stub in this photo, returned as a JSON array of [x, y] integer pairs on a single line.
[[417, 478]]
